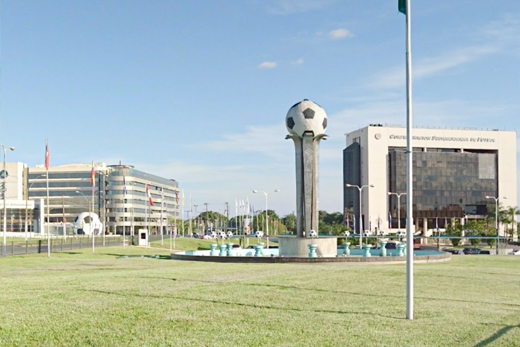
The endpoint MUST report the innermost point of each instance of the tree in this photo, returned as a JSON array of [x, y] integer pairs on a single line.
[[511, 213], [475, 228], [290, 222], [455, 229]]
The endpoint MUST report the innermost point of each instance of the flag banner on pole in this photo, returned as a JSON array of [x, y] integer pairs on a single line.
[[389, 220], [182, 197], [149, 195], [93, 177], [353, 223], [402, 6], [177, 197], [348, 221], [47, 156]]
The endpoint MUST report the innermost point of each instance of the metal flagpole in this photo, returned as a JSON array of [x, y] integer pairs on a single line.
[[92, 181], [182, 213], [47, 164], [124, 203], [409, 162], [162, 208]]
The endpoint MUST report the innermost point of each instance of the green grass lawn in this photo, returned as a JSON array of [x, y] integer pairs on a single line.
[[104, 299]]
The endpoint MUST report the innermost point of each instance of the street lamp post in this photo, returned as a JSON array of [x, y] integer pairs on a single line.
[[359, 220], [398, 210], [266, 212], [4, 188], [496, 217]]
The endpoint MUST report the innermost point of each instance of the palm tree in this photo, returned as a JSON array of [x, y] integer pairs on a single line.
[[511, 213]]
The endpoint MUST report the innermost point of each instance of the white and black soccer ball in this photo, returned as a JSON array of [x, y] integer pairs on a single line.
[[306, 117], [222, 235], [313, 234], [259, 234], [346, 234], [229, 234]]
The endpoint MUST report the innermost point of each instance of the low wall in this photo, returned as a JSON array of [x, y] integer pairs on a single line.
[[292, 246]]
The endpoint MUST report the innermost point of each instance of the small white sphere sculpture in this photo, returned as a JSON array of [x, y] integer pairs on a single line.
[[346, 234], [222, 235], [306, 117], [313, 234], [259, 234]]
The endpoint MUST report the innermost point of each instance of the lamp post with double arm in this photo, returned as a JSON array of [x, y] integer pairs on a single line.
[[266, 193], [360, 188]]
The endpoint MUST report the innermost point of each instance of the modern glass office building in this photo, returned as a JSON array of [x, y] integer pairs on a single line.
[[118, 197], [453, 172]]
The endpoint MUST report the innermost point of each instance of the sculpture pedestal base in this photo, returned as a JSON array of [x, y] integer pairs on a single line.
[[292, 246]]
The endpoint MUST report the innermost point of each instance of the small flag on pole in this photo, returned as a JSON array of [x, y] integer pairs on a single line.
[[149, 195], [389, 220], [182, 197], [47, 156], [93, 178], [402, 6], [177, 197]]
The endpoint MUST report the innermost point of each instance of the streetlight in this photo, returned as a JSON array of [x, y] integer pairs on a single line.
[[496, 216], [398, 210], [360, 223], [90, 215], [4, 176], [266, 213]]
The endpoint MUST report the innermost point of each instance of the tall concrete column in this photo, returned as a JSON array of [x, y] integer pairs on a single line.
[[306, 123]]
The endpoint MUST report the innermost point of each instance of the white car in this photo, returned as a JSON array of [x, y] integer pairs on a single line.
[[517, 252]]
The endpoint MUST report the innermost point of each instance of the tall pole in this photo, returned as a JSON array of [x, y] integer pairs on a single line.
[[266, 221], [496, 218], [91, 223], [360, 220], [496, 223], [409, 171], [398, 210], [360, 206], [162, 208], [63, 217], [266, 212], [197, 221], [4, 191]]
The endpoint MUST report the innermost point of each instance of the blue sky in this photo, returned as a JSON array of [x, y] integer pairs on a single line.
[[198, 91]]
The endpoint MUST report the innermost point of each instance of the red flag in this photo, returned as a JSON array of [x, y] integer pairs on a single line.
[[93, 178], [149, 195], [47, 156]]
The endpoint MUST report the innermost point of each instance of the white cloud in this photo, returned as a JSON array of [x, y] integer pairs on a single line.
[[493, 38], [267, 65], [297, 61], [339, 34]]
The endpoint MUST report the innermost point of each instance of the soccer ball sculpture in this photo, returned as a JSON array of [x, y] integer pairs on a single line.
[[313, 234], [259, 234], [306, 117]]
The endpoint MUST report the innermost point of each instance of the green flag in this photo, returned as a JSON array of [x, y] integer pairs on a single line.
[[402, 6]]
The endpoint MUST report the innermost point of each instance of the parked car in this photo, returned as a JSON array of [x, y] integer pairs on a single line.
[[453, 251], [471, 250], [517, 252]]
